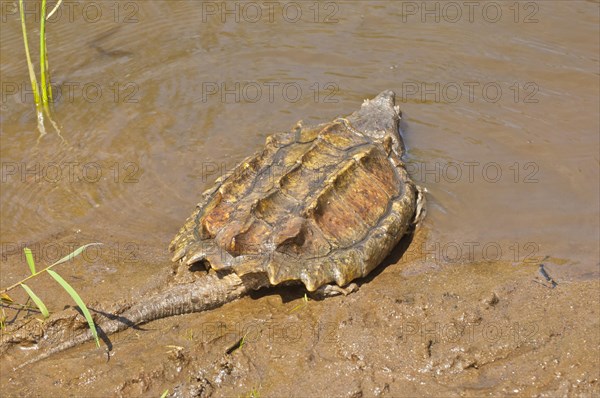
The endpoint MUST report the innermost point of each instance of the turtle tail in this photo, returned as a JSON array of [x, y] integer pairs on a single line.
[[208, 292]]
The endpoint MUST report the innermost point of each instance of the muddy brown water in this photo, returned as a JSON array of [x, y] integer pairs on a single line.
[[156, 99]]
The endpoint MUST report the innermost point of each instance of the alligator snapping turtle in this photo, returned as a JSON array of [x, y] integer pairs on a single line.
[[316, 205]]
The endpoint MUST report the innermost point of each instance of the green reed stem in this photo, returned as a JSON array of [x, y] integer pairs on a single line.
[[44, 84], [32, 78]]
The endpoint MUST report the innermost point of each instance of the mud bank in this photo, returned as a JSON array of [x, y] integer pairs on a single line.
[[481, 329]]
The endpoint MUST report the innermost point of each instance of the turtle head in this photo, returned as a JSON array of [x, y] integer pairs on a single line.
[[378, 118]]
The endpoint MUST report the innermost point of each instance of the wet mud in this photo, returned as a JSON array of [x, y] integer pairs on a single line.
[[489, 328]]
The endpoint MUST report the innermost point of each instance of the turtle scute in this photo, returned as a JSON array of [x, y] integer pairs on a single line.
[[316, 205]]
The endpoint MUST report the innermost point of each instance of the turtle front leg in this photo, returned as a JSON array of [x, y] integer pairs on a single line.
[[334, 290], [421, 206]]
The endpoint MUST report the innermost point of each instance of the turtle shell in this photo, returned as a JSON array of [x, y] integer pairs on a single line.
[[316, 205]]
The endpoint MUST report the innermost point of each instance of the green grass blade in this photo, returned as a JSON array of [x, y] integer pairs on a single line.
[[43, 60], [32, 78], [30, 261], [74, 254], [34, 84], [5, 298], [165, 393], [50, 99], [79, 302], [38, 302]]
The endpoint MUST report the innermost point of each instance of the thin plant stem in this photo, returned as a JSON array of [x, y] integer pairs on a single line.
[[43, 59], [49, 79], [54, 9], [32, 78]]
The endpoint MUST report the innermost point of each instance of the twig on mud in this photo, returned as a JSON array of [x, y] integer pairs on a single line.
[[546, 275]]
